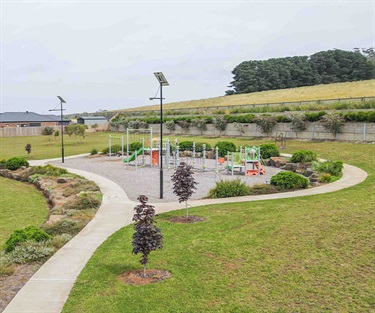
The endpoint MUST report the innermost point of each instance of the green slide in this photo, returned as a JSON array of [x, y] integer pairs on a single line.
[[133, 156]]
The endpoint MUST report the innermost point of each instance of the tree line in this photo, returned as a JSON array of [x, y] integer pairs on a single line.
[[323, 67]]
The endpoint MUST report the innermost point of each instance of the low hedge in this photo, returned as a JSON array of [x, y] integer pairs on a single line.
[[15, 163], [303, 156], [30, 233]]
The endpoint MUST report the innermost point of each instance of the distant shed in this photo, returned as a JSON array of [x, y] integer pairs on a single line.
[[91, 120]]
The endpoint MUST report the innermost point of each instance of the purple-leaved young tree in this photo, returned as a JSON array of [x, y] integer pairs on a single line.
[[147, 236], [184, 183]]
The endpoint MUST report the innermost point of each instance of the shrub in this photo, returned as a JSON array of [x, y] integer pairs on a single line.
[[15, 163], [94, 151], [297, 122], [30, 233], [333, 122], [3, 164], [134, 146], [303, 156], [63, 226], [186, 145], [263, 189], [325, 178], [47, 131], [49, 170], [114, 149], [331, 167], [31, 251], [57, 133], [229, 188], [314, 116], [170, 125], [60, 240], [224, 147], [199, 146], [88, 200], [289, 180], [265, 123], [200, 124], [268, 150], [220, 123]]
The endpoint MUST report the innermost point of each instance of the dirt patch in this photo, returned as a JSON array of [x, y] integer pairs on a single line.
[[136, 278], [186, 220], [11, 284]]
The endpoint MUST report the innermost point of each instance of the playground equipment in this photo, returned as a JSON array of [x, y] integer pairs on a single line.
[[281, 137], [248, 161]]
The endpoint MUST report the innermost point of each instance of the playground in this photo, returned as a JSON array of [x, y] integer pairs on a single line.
[[145, 179]]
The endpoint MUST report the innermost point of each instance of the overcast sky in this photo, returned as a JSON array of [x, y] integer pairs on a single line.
[[101, 55]]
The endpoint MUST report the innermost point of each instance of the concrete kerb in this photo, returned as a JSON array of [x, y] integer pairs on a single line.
[[50, 286]]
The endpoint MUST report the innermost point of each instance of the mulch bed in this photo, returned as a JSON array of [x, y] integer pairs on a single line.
[[185, 220], [136, 278]]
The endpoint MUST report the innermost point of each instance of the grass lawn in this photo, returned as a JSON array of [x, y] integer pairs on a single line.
[[21, 205], [45, 147], [363, 88], [309, 254]]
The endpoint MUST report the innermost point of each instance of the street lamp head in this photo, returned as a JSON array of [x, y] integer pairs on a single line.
[[161, 78], [61, 99]]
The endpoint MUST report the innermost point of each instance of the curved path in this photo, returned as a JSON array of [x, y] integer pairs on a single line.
[[50, 286]]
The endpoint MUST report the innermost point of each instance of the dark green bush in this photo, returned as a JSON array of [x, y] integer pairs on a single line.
[[314, 116], [331, 167], [15, 163], [303, 156], [49, 170], [268, 150], [229, 188], [289, 180], [30, 233], [94, 151], [199, 146], [186, 145], [135, 146], [114, 149], [246, 118], [224, 147]]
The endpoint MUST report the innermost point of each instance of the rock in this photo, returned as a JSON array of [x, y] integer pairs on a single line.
[[210, 154], [63, 180], [290, 167], [277, 161]]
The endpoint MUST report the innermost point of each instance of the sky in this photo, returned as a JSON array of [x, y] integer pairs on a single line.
[[101, 55]]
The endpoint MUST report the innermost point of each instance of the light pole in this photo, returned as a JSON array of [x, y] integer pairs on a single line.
[[62, 126], [163, 82]]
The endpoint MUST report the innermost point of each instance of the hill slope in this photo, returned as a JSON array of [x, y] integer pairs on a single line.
[[364, 88]]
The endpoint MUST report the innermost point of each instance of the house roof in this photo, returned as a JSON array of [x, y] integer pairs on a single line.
[[19, 117], [93, 117]]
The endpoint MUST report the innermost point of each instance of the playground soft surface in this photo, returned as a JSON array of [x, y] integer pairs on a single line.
[[145, 180], [308, 254]]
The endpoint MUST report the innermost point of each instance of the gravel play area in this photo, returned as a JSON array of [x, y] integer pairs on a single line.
[[146, 180]]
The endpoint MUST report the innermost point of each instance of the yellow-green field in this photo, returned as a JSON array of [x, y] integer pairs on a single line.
[[331, 91]]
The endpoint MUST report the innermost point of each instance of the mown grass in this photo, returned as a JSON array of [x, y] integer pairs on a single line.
[[331, 91], [45, 147], [21, 205], [309, 254]]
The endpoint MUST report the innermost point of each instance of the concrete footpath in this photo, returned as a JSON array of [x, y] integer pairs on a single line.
[[50, 286]]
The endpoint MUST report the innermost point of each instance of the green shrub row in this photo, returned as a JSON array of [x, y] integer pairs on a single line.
[[355, 116], [333, 168]]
